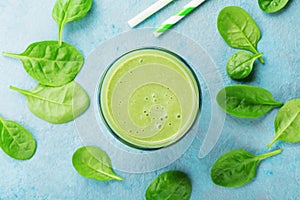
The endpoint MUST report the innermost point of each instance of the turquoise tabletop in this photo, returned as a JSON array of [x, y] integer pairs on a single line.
[[50, 173]]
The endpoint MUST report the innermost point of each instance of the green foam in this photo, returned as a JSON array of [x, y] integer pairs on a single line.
[[149, 98]]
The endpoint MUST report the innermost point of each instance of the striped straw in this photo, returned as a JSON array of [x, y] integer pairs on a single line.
[[148, 12], [177, 17]]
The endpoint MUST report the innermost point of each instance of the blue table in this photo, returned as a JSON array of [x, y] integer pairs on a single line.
[[50, 174]]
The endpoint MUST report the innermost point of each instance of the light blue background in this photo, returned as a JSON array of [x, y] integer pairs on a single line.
[[50, 175]]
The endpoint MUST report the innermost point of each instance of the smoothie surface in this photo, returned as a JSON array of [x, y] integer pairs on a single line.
[[149, 98]]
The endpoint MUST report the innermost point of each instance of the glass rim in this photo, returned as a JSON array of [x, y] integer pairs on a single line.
[[194, 78]]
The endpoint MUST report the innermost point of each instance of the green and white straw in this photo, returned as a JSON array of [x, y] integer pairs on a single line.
[[177, 17]]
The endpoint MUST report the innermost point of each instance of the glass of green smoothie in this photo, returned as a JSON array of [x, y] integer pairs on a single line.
[[149, 98]]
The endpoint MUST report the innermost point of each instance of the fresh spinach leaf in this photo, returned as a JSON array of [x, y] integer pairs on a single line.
[[49, 63], [56, 104], [238, 29], [92, 162], [240, 65], [173, 185], [237, 167], [65, 11], [287, 123], [271, 6], [246, 101], [16, 141]]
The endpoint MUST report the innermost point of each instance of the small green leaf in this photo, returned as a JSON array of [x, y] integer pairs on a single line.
[[240, 65], [238, 29], [287, 123], [65, 11], [16, 141], [173, 185], [271, 6], [56, 105], [246, 101], [92, 162], [50, 64], [237, 167]]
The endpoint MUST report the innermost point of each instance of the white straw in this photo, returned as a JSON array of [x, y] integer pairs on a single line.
[[148, 12]]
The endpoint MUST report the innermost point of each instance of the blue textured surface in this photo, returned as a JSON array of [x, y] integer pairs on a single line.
[[50, 175]]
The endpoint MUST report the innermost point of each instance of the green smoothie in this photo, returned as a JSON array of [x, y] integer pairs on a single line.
[[149, 98]]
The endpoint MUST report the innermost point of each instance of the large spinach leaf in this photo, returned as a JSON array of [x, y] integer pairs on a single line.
[[238, 29], [237, 167], [246, 101], [173, 185], [287, 123], [56, 104], [49, 63], [92, 162], [16, 141]]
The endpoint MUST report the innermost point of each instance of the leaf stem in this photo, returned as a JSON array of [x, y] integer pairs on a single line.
[[277, 104], [273, 153], [259, 55], [24, 92], [60, 32], [18, 90], [260, 58], [273, 141], [119, 178], [12, 55]]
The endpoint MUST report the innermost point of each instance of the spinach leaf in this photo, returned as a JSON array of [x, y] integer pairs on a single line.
[[65, 11], [240, 65], [49, 63], [173, 185], [287, 123], [56, 104], [271, 6], [92, 162], [238, 29], [16, 141], [246, 101], [237, 167]]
